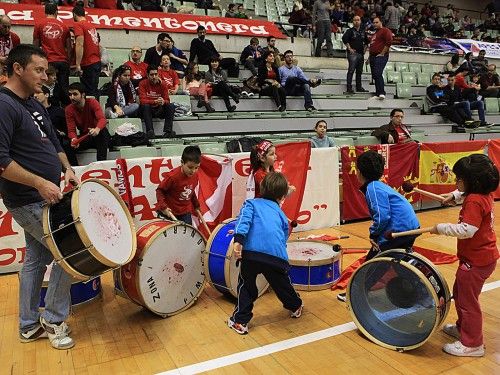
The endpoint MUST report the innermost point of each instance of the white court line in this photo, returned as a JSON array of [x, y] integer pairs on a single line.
[[261, 351]]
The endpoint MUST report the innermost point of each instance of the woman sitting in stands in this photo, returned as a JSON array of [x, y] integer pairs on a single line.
[[193, 84], [123, 99], [269, 81], [216, 78], [452, 65]]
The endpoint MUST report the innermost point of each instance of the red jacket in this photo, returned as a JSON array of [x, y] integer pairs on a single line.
[[91, 116]]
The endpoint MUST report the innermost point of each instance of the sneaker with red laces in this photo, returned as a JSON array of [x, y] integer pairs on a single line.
[[241, 328], [460, 350], [451, 330], [297, 313]]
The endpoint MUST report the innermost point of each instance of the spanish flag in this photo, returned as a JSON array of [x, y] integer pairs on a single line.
[[437, 161]]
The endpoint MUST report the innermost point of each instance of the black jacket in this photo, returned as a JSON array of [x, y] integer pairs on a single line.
[[384, 131], [262, 75], [204, 50]]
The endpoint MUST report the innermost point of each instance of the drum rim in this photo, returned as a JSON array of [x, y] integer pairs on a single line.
[[207, 253], [167, 224], [319, 262], [75, 208], [306, 287], [422, 277]]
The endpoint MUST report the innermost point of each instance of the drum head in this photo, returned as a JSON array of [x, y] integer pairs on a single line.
[[106, 222], [393, 303], [310, 252], [171, 274]]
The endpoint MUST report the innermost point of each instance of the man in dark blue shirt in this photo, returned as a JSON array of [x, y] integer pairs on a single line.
[[356, 43]]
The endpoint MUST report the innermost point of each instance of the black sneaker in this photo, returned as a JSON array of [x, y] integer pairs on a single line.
[[169, 134], [471, 124], [200, 104], [311, 108], [232, 108], [150, 134], [342, 297], [236, 99], [362, 90], [486, 125], [282, 108], [349, 91]]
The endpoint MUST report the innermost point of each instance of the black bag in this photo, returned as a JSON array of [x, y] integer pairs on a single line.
[[136, 139], [253, 84], [230, 66], [243, 144]]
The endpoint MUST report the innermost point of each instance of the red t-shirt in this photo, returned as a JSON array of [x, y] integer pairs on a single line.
[[8, 42], [402, 135], [91, 116], [176, 192], [148, 92], [137, 70], [91, 53], [105, 4], [170, 77], [460, 82], [258, 176], [481, 249], [53, 36], [271, 74], [381, 38]]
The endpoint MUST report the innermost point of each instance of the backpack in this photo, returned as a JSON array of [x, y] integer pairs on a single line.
[[243, 144], [136, 139]]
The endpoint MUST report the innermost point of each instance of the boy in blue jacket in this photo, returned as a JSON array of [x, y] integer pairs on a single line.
[[389, 210], [260, 239]]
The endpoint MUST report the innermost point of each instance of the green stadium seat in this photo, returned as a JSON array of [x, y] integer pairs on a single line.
[[366, 140], [403, 90], [414, 67], [200, 139], [491, 105], [343, 141], [103, 80], [138, 152], [402, 67], [113, 124], [429, 68], [393, 76], [419, 136], [409, 77], [73, 80], [120, 55], [172, 150], [102, 101], [213, 148], [389, 66], [424, 78]]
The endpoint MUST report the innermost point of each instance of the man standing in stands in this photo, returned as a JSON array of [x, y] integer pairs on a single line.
[[295, 81], [168, 75], [323, 26], [88, 56], [53, 37], [155, 102], [271, 47], [8, 39], [86, 115], [395, 132], [379, 55], [356, 44], [137, 67], [154, 54]]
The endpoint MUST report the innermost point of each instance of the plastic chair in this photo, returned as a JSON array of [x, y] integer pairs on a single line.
[[409, 77], [213, 148], [491, 105], [138, 152], [393, 76], [403, 90], [172, 150]]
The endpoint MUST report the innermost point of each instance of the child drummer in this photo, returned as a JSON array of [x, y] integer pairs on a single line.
[[260, 239]]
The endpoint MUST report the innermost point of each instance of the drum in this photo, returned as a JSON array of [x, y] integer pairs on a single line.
[[220, 265], [398, 299], [166, 275], [315, 265], [90, 231]]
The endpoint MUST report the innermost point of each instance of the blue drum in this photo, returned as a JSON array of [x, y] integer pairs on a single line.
[[220, 264], [314, 265]]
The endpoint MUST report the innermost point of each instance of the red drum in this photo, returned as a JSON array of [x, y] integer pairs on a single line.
[[166, 275]]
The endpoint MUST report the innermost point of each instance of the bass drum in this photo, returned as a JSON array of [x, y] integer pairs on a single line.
[[398, 299]]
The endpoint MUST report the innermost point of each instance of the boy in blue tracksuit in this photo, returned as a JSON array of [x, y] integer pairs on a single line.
[[260, 239]]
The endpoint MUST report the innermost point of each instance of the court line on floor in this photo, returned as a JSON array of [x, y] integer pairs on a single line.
[[261, 351]]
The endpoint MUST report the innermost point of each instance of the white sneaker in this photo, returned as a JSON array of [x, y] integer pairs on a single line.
[[58, 335], [297, 313], [458, 349], [33, 334], [451, 330], [381, 96]]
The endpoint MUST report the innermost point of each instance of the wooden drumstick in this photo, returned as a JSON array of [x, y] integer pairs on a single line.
[[408, 188], [200, 216], [77, 141], [169, 214], [392, 235]]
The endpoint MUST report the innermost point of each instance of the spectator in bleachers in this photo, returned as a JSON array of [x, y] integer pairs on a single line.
[[151, 5], [52, 35], [469, 90], [490, 83], [155, 102], [204, 4], [202, 51], [58, 97], [178, 59], [123, 100], [379, 55], [86, 115], [251, 56], [269, 81], [392, 17], [216, 77], [476, 34], [467, 62], [452, 65], [395, 132], [168, 75], [300, 16], [321, 139], [8, 38], [467, 24], [480, 63], [105, 4], [137, 67], [88, 57], [356, 43], [241, 12], [194, 84], [58, 120], [322, 26], [295, 81], [271, 47], [231, 11], [154, 54]]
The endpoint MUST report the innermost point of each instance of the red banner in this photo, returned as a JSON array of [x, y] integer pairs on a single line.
[[401, 165], [494, 155], [148, 21]]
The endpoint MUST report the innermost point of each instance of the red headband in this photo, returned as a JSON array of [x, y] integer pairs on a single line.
[[262, 147]]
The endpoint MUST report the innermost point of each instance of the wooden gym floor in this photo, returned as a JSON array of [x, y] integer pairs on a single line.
[[115, 336]]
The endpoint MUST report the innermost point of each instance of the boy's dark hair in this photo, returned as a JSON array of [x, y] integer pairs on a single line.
[[79, 11], [479, 174], [200, 28], [274, 186], [254, 40], [393, 112], [319, 122], [77, 86], [371, 165], [22, 54], [50, 8], [270, 37], [191, 153], [150, 68], [436, 75], [287, 52], [162, 36]]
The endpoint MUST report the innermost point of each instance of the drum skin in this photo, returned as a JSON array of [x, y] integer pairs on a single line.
[[154, 297], [398, 299]]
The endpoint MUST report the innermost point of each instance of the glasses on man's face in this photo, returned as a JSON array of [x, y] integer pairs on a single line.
[[136, 51]]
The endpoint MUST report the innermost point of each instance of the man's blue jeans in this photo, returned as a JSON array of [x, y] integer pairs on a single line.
[[377, 65]]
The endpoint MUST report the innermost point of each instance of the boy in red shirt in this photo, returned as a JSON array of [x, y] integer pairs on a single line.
[[476, 177], [155, 102], [168, 75], [86, 114], [176, 193]]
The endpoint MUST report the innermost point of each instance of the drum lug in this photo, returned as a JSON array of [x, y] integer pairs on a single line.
[[77, 220], [400, 350]]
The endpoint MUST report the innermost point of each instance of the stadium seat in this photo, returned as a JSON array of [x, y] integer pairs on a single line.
[[389, 66], [138, 152], [491, 105], [409, 77], [403, 90], [213, 13], [102, 101], [419, 136], [73, 80], [200, 139], [414, 67], [172, 150], [427, 68], [392, 76], [424, 78], [113, 124], [343, 141], [119, 56], [103, 80], [199, 12], [366, 140], [401, 67], [213, 148]]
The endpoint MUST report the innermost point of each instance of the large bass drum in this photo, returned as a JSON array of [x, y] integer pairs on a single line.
[[398, 299]]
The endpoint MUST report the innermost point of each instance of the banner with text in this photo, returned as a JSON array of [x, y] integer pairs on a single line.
[[474, 46]]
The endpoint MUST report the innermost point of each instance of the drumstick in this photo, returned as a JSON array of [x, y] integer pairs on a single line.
[[77, 141], [392, 235], [200, 216], [166, 216], [408, 188]]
